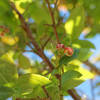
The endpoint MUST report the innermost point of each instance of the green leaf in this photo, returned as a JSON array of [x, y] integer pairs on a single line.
[[8, 73], [22, 39], [41, 28], [95, 29], [84, 44], [92, 9], [69, 75], [7, 17], [72, 83], [28, 83], [70, 79], [24, 62], [53, 91], [5, 92], [84, 54], [37, 92], [75, 24], [71, 67], [65, 59], [38, 12], [2, 48], [8, 57]]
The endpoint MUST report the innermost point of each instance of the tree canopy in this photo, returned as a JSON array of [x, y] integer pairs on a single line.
[[41, 27]]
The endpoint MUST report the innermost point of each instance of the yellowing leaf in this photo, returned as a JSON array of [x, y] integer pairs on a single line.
[[69, 26], [85, 74], [18, 2], [9, 40], [78, 19], [8, 56]]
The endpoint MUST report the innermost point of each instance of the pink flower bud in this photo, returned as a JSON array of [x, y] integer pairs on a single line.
[[59, 46], [68, 51]]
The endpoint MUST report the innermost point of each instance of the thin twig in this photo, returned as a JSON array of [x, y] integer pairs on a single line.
[[92, 67], [46, 42], [73, 94], [46, 92], [53, 21]]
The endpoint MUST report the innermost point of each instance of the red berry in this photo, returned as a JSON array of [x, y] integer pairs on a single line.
[[68, 51], [59, 46]]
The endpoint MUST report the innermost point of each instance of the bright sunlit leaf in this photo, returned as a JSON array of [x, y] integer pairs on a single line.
[[75, 23], [9, 40]]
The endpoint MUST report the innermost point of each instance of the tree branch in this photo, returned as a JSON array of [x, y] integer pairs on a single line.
[[26, 28], [73, 94], [92, 67], [46, 92], [53, 21]]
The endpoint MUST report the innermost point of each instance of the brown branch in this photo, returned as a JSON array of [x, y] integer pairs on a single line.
[[32, 50], [26, 28], [53, 21], [46, 92], [92, 67], [73, 94], [18, 99]]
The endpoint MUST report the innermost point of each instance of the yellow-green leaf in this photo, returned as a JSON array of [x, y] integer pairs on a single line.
[[24, 62], [75, 23]]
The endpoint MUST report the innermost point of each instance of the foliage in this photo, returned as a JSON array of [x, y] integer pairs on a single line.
[[30, 30]]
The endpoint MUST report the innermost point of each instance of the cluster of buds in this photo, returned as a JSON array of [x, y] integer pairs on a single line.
[[60, 46], [68, 51]]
